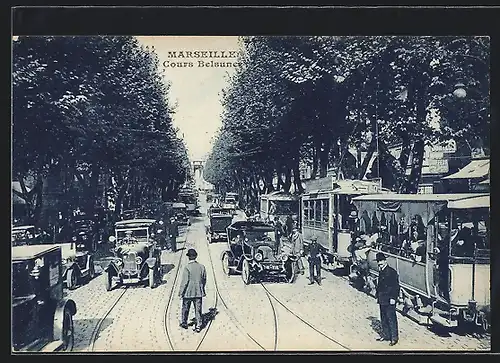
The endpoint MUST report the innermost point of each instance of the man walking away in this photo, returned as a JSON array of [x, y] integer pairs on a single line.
[[387, 293], [173, 233], [314, 259], [192, 289]]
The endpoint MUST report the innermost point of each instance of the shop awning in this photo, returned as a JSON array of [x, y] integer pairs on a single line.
[[475, 169], [470, 203]]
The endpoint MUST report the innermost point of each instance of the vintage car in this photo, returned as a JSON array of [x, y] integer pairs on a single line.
[[219, 210], [42, 318], [179, 212], [254, 252], [23, 235], [216, 230], [85, 231], [136, 254], [77, 261]]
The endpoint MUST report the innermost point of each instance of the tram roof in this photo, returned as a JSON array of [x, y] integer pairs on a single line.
[[251, 225], [21, 228], [419, 197], [471, 203], [280, 195], [135, 222]]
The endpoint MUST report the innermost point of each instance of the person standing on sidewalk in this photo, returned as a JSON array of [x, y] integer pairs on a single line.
[[387, 293], [192, 289], [297, 248], [173, 230], [314, 259]]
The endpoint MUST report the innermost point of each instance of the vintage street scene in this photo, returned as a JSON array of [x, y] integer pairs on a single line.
[[250, 194]]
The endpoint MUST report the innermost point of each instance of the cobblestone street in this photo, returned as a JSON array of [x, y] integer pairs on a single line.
[[268, 316]]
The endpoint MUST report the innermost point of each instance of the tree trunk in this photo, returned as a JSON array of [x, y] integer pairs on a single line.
[[296, 177], [416, 167], [366, 161], [288, 180], [314, 171]]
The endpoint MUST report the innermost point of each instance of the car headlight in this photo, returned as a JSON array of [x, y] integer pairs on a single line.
[[138, 260], [258, 256]]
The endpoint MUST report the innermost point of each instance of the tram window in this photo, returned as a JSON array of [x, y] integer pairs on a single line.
[[325, 213], [317, 213]]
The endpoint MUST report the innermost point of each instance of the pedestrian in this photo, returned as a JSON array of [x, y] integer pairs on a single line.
[[297, 248], [192, 289], [387, 293], [314, 259], [173, 231], [279, 232], [289, 225]]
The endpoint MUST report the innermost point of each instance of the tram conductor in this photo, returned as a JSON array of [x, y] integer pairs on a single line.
[[387, 294]]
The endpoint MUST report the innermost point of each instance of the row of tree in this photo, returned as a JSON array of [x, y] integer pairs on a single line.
[[92, 110], [306, 100]]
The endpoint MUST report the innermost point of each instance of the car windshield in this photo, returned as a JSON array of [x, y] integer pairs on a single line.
[[139, 235], [257, 236], [284, 207], [220, 223]]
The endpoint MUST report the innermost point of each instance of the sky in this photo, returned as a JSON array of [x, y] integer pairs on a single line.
[[196, 90]]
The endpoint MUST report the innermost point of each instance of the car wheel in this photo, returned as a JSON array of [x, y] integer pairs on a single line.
[[71, 279], [68, 332], [291, 272], [245, 272], [225, 264], [91, 268], [108, 280]]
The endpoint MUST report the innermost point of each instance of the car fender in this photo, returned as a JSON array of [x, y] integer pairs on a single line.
[[110, 267], [151, 262], [63, 304], [72, 266]]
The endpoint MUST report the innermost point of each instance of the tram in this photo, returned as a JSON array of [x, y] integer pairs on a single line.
[[439, 245], [279, 204], [327, 213]]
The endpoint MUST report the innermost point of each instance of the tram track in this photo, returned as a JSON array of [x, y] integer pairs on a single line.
[[97, 328], [169, 333]]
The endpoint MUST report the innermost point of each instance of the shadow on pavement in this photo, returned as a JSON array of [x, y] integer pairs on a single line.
[[165, 269], [376, 325], [84, 329], [205, 318]]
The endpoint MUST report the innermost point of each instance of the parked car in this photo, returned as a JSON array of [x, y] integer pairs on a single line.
[[218, 223], [179, 212], [136, 254], [23, 235], [85, 231], [42, 318], [77, 262], [254, 252]]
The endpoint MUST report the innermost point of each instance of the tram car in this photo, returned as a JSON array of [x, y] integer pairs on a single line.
[[439, 245], [254, 251], [136, 254], [279, 205], [327, 212]]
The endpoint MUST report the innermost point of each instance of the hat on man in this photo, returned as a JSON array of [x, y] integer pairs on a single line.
[[192, 253], [380, 257]]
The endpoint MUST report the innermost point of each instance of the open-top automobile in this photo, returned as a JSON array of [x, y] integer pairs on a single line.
[[42, 318], [254, 251], [137, 257]]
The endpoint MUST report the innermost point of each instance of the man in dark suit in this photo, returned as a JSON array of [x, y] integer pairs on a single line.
[[387, 294], [192, 289], [314, 259], [173, 234]]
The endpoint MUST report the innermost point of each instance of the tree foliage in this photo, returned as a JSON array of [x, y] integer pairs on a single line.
[[307, 100], [93, 108]]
